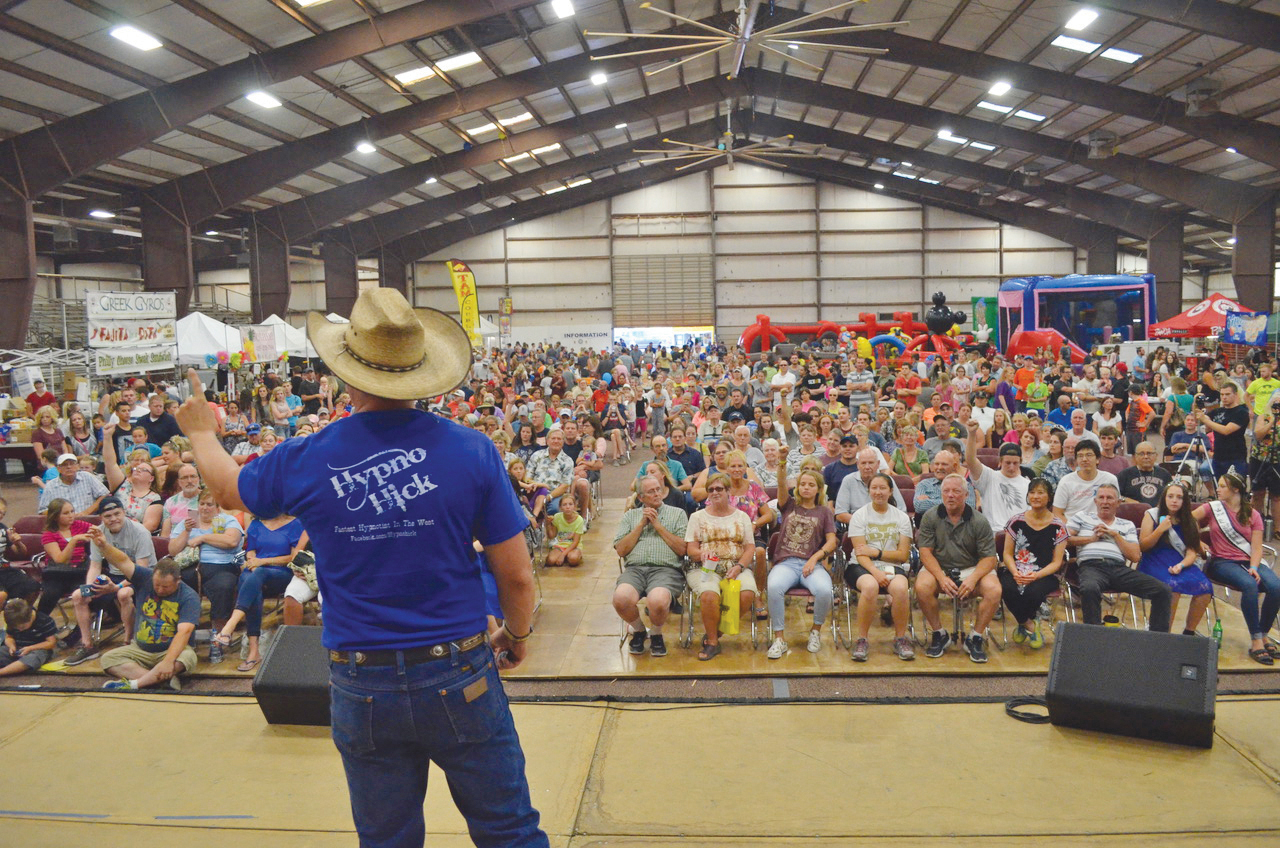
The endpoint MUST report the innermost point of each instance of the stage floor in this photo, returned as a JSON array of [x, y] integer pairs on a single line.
[[177, 770]]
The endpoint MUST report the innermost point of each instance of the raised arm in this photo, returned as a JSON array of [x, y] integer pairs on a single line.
[[220, 472]]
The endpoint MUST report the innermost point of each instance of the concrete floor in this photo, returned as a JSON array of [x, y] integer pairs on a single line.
[[177, 770]]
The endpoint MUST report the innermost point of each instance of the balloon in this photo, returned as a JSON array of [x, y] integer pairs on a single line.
[[210, 360], [223, 359], [237, 359]]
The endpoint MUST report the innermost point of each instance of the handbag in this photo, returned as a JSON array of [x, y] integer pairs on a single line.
[[730, 606], [188, 557]]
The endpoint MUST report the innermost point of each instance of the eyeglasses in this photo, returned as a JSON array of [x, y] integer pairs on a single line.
[[712, 490]]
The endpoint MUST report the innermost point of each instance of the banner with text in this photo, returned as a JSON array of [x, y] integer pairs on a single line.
[[134, 360], [464, 286], [575, 336], [258, 341], [131, 333]]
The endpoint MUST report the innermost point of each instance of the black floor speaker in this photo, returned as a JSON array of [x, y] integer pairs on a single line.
[[1134, 683], [292, 684]]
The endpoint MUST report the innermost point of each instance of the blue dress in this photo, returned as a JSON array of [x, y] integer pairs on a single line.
[[1157, 562]]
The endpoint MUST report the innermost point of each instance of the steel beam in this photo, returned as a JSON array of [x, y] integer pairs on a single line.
[[301, 218], [393, 272], [167, 261], [1131, 217], [440, 237], [1224, 199], [1225, 20], [17, 271], [1164, 260], [1255, 139], [1103, 255], [368, 234], [268, 272], [341, 278], [1254, 268]]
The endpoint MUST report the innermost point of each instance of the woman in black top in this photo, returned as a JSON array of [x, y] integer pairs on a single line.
[[1035, 544]]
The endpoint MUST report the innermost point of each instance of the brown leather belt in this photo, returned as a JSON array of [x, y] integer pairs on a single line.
[[412, 656]]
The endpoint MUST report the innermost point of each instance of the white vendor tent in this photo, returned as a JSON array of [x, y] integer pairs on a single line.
[[290, 338], [200, 335]]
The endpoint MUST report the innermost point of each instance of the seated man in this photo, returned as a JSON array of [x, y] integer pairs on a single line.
[[651, 542], [82, 489], [114, 593], [1144, 480], [690, 458], [551, 467], [929, 491], [1076, 491], [586, 464], [167, 611], [683, 480], [958, 555], [742, 442], [854, 494], [941, 435], [1106, 542], [1111, 459]]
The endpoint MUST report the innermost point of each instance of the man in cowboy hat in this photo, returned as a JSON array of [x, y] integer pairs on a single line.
[[392, 498]]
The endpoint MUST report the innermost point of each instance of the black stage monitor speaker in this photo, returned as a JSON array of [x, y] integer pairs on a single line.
[[1134, 683], [292, 684]]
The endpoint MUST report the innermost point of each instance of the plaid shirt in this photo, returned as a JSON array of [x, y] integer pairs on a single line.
[[82, 491], [650, 549], [551, 472]]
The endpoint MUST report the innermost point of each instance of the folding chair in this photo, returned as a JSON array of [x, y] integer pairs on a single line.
[[847, 593], [798, 592], [682, 605]]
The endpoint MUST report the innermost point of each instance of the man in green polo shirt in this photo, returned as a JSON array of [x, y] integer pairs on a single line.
[[1262, 389], [650, 541]]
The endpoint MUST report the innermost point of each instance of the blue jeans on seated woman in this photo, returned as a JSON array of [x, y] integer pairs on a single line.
[[391, 722], [255, 585], [788, 574], [1236, 575]]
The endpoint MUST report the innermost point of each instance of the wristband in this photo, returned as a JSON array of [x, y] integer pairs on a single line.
[[514, 637]]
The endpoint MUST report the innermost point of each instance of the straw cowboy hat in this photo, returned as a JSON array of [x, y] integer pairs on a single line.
[[392, 350]]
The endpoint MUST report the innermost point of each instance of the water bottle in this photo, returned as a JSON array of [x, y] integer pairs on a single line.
[[1217, 633], [710, 562]]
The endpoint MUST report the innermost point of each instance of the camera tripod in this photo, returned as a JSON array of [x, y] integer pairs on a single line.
[[1196, 460]]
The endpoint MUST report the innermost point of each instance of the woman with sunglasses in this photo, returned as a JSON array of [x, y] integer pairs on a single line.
[[721, 545]]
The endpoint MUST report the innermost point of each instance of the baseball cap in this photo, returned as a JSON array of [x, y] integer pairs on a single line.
[[1010, 449], [566, 412], [109, 502], [67, 457], [848, 439], [253, 428]]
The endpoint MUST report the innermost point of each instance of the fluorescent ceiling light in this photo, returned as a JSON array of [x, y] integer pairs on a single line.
[[516, 158], [906, 164], [211, 232], [946, 135], [1077, 44], [1030, 116], [562, 8], [305, 3], [599, 78], [999, 89], [122, 232], [1232, 150], [431, 181], [413, 75], [1231, 240], [1118, 55], [793, 46], [577, 183], [101, 214], [621, 126], [554, 190], [462, 60], [904, 175], [538, 151], [982, 146], [365, 147], [506, 122], [879, 186], [262, 99], [995, 107], [135, 37], [930, 182], [1081, 19]]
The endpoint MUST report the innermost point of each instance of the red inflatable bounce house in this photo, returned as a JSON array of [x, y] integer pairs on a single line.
[[763, 335]]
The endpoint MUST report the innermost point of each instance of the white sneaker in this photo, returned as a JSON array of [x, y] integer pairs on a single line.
[[778, 649], [815, 641]]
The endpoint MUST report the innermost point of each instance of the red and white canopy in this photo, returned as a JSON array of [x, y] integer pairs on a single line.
[[1199, 321]]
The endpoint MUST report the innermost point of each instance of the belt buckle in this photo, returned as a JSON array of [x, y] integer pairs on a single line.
[[361, 657], [439, 650]]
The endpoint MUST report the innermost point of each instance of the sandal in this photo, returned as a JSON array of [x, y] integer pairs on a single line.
[[1260, 655], [762, 614], [1273, 649], [709, 652], [248, 665]]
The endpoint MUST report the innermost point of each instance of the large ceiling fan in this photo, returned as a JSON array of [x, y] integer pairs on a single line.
[[775, 39], [766, 152]]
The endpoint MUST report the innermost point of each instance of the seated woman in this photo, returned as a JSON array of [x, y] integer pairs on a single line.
[[721, 544], [269, 548], [135, 486], [773, 463], [999, 429], [750, 497], [206, 548], [808, 536], [303, 588], [1035, 545], [908, 458], [1020, 423], [569, 527], [66, 542], [716, 452], [808, 447], [1171, 544], [1235, 551], [1030, 444], [671, 495], [881, 537]]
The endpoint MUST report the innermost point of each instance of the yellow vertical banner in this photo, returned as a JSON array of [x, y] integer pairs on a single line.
[[464, 286]]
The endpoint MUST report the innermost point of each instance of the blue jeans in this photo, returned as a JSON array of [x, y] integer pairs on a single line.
[[1236, 575], [1220, 467], [788, 574], [254, 586], [391, 722]]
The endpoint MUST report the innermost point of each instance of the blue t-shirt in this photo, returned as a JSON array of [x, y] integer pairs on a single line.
[[391, 501], [266, 543], [295, 406], [157, 619]]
